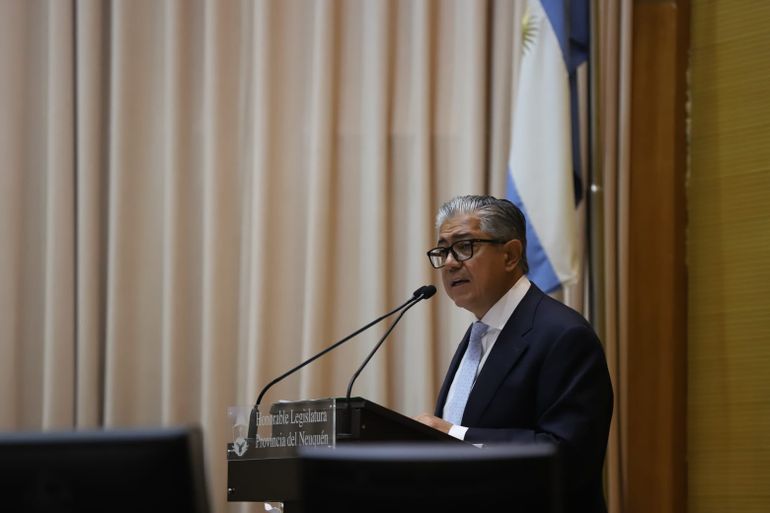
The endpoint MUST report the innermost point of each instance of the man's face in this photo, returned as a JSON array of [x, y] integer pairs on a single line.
[[477, 283]]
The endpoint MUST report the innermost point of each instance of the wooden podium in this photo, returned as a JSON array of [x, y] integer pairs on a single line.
[[278, 479]]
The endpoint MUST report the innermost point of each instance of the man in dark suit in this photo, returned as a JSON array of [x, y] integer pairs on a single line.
[[530, 369]]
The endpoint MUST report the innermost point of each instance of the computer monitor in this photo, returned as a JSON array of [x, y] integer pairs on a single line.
[[431, 477], [118, 471]]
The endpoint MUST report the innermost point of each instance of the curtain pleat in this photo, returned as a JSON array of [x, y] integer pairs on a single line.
[[256, 261], [220, 222], [58, 205], [13, 124], [90, 96], [613, 111], [414, 199], [175, 397], [321, 181], [371, 115]]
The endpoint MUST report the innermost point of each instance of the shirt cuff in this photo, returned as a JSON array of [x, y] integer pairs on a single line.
[[458, 432]]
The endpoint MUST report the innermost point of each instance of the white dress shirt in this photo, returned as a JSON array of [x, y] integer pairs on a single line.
[[495, 318]]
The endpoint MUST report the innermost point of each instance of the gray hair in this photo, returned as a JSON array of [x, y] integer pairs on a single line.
[[498, 217]]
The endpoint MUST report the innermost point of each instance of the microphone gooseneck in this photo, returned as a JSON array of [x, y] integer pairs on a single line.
[[423, 292]]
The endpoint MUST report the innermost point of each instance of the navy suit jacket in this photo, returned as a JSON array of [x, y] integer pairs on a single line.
[[546, 380]]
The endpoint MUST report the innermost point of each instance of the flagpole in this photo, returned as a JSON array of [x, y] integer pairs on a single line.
[[596, 278]]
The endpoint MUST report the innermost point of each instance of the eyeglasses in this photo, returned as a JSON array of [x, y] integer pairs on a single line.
[[461, 250]]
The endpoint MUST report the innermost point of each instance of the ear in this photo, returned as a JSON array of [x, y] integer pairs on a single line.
[[513, 251]]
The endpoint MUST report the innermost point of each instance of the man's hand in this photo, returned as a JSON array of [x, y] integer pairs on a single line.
[[434, 422]]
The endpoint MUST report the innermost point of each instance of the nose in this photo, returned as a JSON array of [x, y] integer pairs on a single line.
[[451, 263]]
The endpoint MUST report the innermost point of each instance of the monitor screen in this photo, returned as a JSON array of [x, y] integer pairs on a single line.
[[431, 477], [117, 471]]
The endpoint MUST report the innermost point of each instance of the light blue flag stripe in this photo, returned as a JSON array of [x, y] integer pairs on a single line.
[[540, 269]]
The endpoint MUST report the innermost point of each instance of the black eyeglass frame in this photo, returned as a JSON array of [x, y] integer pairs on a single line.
[[445, 250]]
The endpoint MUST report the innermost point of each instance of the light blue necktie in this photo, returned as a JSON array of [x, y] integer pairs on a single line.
[[466, 375]]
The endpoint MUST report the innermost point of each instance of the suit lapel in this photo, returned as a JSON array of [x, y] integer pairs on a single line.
[[508, 349]]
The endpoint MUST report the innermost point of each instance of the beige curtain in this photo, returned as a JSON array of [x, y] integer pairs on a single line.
[[609, 228], [196, 195]]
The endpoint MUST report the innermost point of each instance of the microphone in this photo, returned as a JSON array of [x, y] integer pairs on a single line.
[[423, 292]]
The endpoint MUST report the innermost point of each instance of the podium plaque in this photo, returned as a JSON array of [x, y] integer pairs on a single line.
[[282, 429], [268, 468]]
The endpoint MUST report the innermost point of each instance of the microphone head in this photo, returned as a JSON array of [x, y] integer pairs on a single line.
[[425, 292]]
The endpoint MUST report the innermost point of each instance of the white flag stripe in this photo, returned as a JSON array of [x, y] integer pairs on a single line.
[[541, 146]]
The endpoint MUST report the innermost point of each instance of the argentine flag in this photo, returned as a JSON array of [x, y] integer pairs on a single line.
[[543, 164]]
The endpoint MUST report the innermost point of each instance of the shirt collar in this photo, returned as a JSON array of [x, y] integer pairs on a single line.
[[498, 315]]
